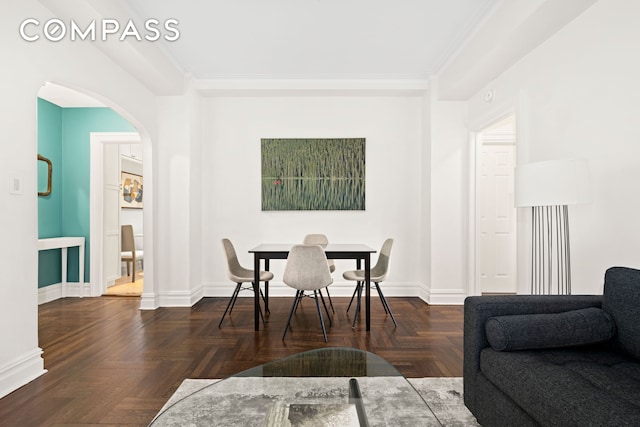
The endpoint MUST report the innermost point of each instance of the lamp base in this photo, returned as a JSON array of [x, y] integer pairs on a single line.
[[551, 256]]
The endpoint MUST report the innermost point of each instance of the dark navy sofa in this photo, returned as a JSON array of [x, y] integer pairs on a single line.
[[555, 360]]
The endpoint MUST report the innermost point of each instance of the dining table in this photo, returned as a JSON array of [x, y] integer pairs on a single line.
[[268, 251]]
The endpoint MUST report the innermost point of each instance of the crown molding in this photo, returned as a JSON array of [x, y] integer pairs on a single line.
[[311, 87]]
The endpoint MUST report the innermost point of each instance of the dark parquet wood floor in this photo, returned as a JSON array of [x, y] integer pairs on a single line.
[[111, 364]]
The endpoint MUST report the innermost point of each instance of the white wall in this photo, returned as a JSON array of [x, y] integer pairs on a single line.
[[425, 196], [174, 206], [197, 187], [233, 128], [26, 67], [179, 201], [578, 95], [449, 202]]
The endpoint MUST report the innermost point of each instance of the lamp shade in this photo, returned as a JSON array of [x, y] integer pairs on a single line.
[[552, 183]]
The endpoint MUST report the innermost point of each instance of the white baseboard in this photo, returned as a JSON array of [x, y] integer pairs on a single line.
[[21, 371], [447, 296], [73, 290], [179, 298], [338, 289], [54, 292], [49, 293], [149, 301], [196, 295]]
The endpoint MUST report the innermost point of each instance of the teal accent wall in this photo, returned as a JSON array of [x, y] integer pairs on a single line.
[[49, 207], [74, 153]]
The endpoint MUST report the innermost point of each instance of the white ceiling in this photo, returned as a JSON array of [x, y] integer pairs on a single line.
[[315, 39], [327, 46]]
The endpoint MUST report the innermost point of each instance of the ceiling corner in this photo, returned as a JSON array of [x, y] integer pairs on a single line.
[[146, 61], [513, 31]]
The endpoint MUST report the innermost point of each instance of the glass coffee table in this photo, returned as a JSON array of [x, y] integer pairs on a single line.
[[323, 387]]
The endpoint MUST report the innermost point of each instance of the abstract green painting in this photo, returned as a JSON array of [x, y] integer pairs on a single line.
[[313, 174]]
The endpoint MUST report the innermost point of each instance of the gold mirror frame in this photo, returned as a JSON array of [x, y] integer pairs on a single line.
[[49, 173]]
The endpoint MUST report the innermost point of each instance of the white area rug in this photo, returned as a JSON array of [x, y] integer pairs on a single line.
[[443, 395]]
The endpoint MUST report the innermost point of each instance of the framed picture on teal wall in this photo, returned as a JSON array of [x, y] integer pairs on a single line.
[[131, 186], [313, 174]]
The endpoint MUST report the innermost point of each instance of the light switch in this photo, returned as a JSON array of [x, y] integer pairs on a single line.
[[15, 185]]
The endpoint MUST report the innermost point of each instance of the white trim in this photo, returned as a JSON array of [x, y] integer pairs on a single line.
[[149, 301], [49, 293], [256, 87], [21, 371], [474, 184], [97, 141], [337, 289], [497, 114], [447, 296], [149, 298], [486, 120], [196, 295], [180, 298], [53, 292]]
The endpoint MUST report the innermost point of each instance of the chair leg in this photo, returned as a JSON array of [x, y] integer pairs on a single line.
[[133, 270], [355, 317], [229, 304], [265, 302], [386, 304], [298, 301], [261, 316], [330, 302], [293, 308], [235, 296], [324, 331], [325, 308], [354, 294], [382, 299]]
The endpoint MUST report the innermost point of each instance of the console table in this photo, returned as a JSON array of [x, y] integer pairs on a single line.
[[64, 243]]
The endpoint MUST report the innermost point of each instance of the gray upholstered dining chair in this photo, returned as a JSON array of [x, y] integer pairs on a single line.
[[307, 270], [323, 241], [240, 275], [378, 274], [128, 252]]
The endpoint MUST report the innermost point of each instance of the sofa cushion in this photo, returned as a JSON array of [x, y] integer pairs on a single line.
[[535, 331], [578, 386], [621, 299]]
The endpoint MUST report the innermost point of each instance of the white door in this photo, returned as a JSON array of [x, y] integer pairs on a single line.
[[111, 214], [497, 220]]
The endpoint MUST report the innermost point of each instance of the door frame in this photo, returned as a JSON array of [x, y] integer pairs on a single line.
[[97, 141], [484, 190], [475, 146]]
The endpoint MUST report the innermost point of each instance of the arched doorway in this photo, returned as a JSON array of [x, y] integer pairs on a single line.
[[85, 199]]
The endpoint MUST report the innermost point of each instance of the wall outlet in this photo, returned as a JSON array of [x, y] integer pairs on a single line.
[[15, 185]]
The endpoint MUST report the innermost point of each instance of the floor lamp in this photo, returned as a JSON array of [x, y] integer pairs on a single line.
[[549, 188]]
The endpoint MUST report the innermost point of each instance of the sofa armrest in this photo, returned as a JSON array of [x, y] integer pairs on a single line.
[[478, 309]]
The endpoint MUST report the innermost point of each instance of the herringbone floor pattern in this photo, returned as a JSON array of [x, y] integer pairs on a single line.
[[111, 364]]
